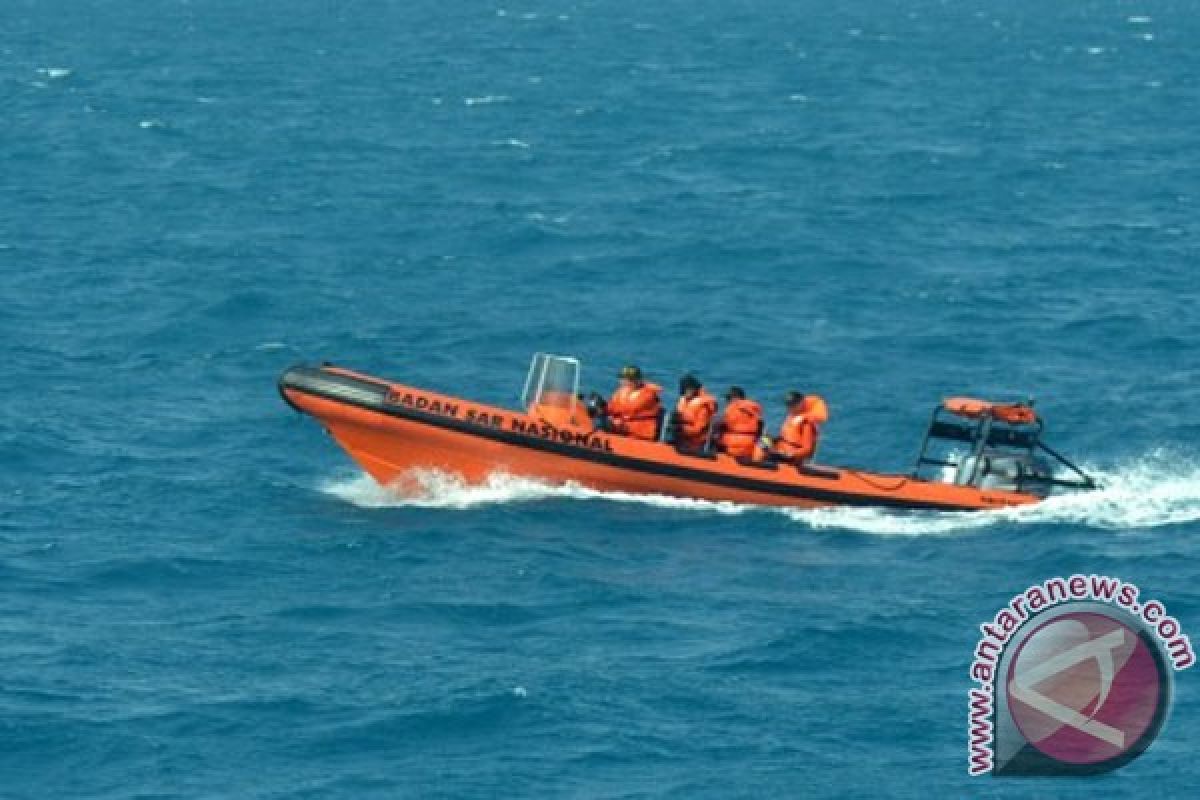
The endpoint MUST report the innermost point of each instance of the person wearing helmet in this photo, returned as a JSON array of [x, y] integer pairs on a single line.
[[740, 426], [693, 415], [634, 408], [798, 437]]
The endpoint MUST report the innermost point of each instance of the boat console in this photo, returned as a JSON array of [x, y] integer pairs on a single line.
[[993, 445]]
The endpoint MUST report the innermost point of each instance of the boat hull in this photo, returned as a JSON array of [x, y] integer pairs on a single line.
[[390, 430]]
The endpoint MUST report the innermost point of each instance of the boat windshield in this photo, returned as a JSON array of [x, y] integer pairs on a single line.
[[552, 386]]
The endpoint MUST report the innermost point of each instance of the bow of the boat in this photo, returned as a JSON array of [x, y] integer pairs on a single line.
[[299, 385]]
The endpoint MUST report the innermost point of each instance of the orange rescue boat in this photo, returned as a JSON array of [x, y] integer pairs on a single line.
[[976, 454]]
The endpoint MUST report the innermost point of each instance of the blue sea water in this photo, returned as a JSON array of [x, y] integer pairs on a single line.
[[885, 202]]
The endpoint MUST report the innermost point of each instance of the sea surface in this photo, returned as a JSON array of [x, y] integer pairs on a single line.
[[885, 202]]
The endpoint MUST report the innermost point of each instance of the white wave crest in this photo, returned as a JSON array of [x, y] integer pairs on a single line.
[[1159, 489], [486, 99], [429, 488]]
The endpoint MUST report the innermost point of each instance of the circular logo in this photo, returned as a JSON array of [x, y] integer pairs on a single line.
[[1089, 689]]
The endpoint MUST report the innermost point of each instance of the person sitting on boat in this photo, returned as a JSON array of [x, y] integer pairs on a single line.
[[635, 407], [798, 437], [740, 426], [693, 414]]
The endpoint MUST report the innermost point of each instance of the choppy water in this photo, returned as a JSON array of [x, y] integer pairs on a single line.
[[884, 202]]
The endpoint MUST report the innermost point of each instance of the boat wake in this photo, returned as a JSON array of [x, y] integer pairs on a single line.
[[436, 489], [1156, 490]]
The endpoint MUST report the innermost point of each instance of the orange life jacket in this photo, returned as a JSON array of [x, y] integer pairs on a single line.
[[815, 409], [695, 414], [740, 428], [797, 438], [634, 410]]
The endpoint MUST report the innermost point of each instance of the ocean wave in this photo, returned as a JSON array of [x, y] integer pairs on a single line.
[[1156, 490], [485, 100]]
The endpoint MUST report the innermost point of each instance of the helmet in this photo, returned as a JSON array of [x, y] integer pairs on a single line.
[[688, 382], [631, 373]]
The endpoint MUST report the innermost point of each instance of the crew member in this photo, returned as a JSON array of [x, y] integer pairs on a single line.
[[797, 440], [634, 408], [741, 424], [693, 414]]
